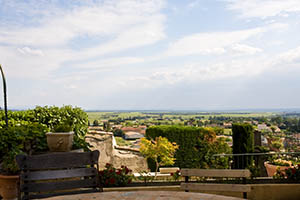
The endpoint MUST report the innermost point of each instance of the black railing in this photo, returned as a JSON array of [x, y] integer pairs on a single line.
[[255, 161]]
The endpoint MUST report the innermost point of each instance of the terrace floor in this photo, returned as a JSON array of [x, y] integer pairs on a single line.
[[144, 195]]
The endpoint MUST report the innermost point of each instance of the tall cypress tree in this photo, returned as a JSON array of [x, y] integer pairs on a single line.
[[243, 142]]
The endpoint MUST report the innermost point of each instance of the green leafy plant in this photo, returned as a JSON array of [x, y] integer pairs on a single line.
[[293, 173], [51, 117], [62, 128], [243, 142], [176, 175], [279, 174], [197, 146], [111, 176], [160, 150], [145, 177], [22, 138]]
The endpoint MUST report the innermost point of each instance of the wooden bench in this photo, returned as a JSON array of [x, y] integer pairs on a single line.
[[58, 174], [217, 185]]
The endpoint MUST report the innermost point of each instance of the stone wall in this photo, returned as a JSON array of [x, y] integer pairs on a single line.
[[104, 142]]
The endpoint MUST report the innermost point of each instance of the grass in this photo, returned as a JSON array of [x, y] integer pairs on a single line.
[[121, 142], [227, 131], [114, 115]]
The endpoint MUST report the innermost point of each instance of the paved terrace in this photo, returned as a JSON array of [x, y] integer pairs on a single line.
[[144, 195]]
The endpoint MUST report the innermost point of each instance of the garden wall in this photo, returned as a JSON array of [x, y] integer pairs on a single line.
[[103, 142]]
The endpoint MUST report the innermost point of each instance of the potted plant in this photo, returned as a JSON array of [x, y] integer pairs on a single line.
[[61, 138], [17, 138], [9, 148], [273, 165]]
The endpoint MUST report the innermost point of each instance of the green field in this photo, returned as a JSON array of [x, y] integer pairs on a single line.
[[173, 115]]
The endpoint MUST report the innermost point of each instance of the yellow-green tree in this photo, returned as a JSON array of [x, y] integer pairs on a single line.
[[160, 150]]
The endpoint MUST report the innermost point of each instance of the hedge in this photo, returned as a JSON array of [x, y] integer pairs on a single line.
[[196, 146], [51, 116], [243, 142]]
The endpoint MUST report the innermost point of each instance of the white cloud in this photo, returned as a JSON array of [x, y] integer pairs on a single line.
[[110, 62], [30, 63], [209, 43], [29, 51], [193, 4], [245, 49], [264, 8], [138, 36], [107, 19], [47, 45], [198, 72], [291, 56]]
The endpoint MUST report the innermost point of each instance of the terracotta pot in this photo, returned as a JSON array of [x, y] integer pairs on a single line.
[[271, 169], [60, 142], [9, 187]]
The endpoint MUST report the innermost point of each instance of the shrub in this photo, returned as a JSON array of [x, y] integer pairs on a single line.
[[160, 150], [25, 137], [76, 117], [293, 173], [111, 176], [196, 146], [243, 142], [53, 116], [176, 175], [95, 122]]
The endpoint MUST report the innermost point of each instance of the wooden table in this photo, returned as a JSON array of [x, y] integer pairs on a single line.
[[143, 195]]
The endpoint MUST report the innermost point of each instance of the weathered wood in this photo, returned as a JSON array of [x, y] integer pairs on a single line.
[[215, 187], [57, 160], [58, 174], [168, 170], [230, 173], [61, 185]]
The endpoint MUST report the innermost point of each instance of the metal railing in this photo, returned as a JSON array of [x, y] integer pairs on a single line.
[[256, 160]]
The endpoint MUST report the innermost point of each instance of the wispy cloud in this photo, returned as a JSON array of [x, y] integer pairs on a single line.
[[92, 53], [115, 26], [209, 43], [264, 8]]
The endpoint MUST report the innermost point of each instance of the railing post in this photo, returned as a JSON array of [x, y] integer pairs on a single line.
[[244, 193], [186, 181], [5, 96]]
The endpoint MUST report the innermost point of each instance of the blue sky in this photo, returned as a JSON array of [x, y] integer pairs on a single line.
[[129, 54]]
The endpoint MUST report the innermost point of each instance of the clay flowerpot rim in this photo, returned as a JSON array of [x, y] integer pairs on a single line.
[[60, 133], [268, 163]]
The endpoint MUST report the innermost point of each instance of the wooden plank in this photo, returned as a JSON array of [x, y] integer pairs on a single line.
[[230, 173], [61, 185], [58, 174], [215, 187], [57, 160]]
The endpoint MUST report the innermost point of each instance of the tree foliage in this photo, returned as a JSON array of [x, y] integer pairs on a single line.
[[243, 142], [196, 146], [51, 117], [160, 150]]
